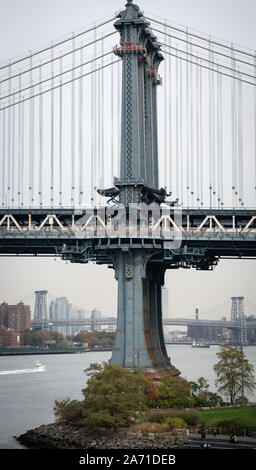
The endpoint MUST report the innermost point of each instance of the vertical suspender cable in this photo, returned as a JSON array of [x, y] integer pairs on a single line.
[[3, 160], [40, 166], [98, 127], [187, 126], [52, 132], [221, 145], [9, 144], [60, 137], [95, 128], [99, 141], [181, 133], [234, 132], [81, 123], [102, 137], [177, 176], [73, 128], [197, 136], [210, 132], [192, 129], [165, 123], [22, 154], [13, 152], [170, 153], [220, 140], [119, 107], [92, 130], [201, 137], [19, 145], [255, 126], [31, 138], [112, 126], [218, 186], [213, 136], [240, 143]]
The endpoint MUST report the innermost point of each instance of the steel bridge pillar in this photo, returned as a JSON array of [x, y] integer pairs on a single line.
[[139, 334]]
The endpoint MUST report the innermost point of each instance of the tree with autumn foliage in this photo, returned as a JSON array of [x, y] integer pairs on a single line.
[[235, 375], [112, 397]]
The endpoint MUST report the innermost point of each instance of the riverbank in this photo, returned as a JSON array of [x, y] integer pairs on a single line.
[[35, 352], [63, 436]]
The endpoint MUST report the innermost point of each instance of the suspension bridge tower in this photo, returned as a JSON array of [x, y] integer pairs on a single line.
[[139, 334], [40, 311], [238, 336]]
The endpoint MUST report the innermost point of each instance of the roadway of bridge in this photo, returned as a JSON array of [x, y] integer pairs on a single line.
[[111, 321], [222, 233]]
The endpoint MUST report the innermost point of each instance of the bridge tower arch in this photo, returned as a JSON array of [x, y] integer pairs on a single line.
[[40, 311], [238, 335]]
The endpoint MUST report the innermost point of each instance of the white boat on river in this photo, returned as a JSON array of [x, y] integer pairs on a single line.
[[37, 368]]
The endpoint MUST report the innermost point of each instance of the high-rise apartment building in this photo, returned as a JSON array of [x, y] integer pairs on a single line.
[[19, 317], [60, 309], [15, 317], [95, 315], [13, 320]]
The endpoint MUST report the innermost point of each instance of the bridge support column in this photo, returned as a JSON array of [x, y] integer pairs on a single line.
[[139, 336]]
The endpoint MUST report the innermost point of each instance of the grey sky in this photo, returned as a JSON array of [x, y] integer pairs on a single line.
[[28, 24]]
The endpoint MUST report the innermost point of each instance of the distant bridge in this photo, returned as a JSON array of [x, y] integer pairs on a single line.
[[111, 321]]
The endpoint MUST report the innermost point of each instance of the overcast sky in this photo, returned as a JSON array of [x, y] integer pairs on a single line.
[[28, 24]]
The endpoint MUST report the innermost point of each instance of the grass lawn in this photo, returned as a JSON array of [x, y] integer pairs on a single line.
[[245, 412]]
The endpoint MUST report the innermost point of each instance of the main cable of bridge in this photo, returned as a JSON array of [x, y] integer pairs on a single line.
[[195, 164], [53, 59], [55, 44], [208, 39]]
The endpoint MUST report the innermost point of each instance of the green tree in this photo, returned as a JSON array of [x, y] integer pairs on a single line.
[[112, 397], [109, 398], [201, 395], [173, 393], [40, 338], [198, 387], [235, 375]]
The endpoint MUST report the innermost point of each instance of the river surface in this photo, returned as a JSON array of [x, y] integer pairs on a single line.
[[27, 396]]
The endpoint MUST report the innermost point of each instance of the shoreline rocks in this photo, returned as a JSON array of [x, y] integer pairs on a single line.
[[66, 436]]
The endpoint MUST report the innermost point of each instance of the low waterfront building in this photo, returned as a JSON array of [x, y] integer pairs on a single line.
[[9, 338]]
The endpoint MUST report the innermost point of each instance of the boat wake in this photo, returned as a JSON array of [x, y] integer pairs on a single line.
[[38, 368]]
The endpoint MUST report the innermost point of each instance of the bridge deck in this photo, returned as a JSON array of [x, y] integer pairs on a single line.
[[224, 233]]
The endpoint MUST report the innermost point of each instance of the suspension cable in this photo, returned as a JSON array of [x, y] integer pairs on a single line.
[[206, 60], [52, 59], [213, 70], [202, 47], [216, 43], [60, 84], [33, 54], [60, 136]]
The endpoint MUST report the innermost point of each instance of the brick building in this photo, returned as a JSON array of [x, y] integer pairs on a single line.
[[18, 317], [13, 320], [4, 314]]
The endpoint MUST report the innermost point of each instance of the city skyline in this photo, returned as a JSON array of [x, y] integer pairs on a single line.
[[93, 286]]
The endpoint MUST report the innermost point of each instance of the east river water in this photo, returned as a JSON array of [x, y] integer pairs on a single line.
[[27, 397]]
